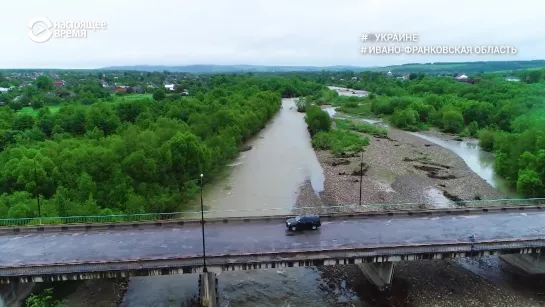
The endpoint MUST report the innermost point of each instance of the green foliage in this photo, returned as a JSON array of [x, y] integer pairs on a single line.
[[301, 104], [44, 299], [405, 119], [360, 127], [44, 83], [473, 129], [453, 122], [507, 117], [317, 120], [137, 156], [159, 94], [529, 183], [339, 141], [486, 139]]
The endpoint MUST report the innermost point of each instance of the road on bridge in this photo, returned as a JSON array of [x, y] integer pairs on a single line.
[[118, 245]]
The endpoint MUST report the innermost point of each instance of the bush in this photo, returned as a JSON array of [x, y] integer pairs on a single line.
[[301, 104], [406, 119], [360, 127], [339, 141], [44, 299], [453, 122], [159, 94], [317, 120], [486, 140]]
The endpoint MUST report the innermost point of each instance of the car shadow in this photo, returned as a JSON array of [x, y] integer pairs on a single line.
[[290, 233]]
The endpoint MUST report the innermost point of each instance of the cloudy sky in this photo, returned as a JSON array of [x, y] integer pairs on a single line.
[[263, 32]]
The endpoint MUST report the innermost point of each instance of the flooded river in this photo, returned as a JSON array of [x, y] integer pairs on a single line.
[[265, 180]]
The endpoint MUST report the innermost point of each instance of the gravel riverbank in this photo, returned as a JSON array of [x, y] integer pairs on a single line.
[[97, 293], [435, 283], [399, 168]]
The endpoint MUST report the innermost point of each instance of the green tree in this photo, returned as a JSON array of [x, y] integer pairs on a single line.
[[473, 129], [317, 120], [23, 122], [528, 183], [159, 94], [453, 121], [44, 83]]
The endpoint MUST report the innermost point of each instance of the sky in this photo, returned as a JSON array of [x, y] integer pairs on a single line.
[[265, 32]]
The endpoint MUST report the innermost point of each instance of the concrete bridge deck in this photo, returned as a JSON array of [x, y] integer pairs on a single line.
[[175, 250]]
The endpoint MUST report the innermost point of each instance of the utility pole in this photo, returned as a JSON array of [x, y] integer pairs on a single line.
[[36, 190], [202, 225], [361, 175]]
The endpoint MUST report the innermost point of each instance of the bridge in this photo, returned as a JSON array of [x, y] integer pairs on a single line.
[[374, 240]]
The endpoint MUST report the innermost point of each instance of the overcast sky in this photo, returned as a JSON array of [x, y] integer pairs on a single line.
[[263, 32]]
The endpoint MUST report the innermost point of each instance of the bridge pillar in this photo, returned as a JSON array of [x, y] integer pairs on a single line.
[[380, 273], [528, 263], [208, 290]]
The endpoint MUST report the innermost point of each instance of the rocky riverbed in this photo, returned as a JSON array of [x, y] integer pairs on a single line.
[[438, 283], [398, 168]]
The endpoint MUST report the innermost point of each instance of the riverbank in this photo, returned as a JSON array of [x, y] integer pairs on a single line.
[[432, 283], [399, 168], [405, 168], [98, 293]]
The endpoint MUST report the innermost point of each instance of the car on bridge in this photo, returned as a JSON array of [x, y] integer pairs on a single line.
[[306, 221]]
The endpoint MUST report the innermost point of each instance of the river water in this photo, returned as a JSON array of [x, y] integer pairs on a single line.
[[478, 160], [264, 179]]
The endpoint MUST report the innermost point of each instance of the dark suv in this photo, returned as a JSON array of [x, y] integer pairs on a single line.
[[307, 221]]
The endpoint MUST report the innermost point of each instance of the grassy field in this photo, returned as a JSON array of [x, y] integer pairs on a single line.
[[31, 111], [131, 97], [117, 99]]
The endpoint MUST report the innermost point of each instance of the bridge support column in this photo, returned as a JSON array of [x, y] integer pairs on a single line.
[[528, 263], [208, 290], [380, 273]]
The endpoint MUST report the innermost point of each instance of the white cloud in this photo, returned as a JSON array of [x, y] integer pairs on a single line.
[[272, 32]]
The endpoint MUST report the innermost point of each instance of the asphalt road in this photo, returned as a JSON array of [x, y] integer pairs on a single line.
[[49, 248]]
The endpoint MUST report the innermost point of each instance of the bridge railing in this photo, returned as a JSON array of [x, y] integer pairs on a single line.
[[152, 217]]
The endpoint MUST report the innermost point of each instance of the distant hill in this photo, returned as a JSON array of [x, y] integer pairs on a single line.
[[432, 68], [231, 68]]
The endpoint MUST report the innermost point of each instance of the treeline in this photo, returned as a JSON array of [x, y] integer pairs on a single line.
[[131, 157], [465, 67], [507, 117]]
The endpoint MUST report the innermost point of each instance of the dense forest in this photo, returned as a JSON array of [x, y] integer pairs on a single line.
[[145, 155], [507, 117]]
